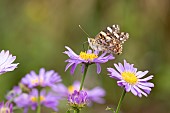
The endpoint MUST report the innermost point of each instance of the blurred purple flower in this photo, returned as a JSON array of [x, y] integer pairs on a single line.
[[6, 60], [78, 99], [95, 95], [43, 79], [49, 100], [128, 77], [6, 108], [31, 100], [16, 91], [23, 101], [86, 58]]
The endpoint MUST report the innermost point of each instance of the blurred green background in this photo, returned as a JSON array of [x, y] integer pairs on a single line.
[[36, 31]]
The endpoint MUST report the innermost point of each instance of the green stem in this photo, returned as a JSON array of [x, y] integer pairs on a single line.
[[83, 78], [77, 111], [120, 101], [39, 103]]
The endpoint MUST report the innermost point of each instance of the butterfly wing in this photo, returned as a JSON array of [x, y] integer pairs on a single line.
[[111, 39], [114, 44]]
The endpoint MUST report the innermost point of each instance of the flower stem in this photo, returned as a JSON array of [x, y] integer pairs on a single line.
[[120, 101], [77, 111], [39, 103], [83, 78]]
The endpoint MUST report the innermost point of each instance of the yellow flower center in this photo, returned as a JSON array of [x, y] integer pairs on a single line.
[[39, 81], [35, 99], [34, 81], [71, 89], [130, 77], [42, 98], [87, 56], [4, 110]]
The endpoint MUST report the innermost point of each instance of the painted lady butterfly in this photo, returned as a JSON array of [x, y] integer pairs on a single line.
[[109, 40]]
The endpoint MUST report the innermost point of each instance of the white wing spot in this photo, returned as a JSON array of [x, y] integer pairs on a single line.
[[109, 29], [108, 38], [103, 33], [116, 35]]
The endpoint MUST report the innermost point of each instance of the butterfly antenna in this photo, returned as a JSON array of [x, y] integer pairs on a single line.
[[84, 31]]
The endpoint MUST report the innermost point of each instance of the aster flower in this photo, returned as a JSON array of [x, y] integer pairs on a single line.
[[95, 95], [49, 100], [78, 99], [31, 100], [128, 77], [6, 60], [16, 91], [84, 58], [6, 108], [43, 79], [23, 101]]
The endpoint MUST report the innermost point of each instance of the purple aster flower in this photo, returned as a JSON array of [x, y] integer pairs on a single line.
[[49, 100], [16, 91], [95, 95], [86, 58], [78, 99], [31, 100], [23, 101], [128, 77], [6, 60], [6, 108], [60, 89], [43, 79]]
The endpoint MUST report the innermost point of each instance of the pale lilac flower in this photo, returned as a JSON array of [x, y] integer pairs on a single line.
[[43, 79], [86, 58], [31, 100], [78, 99], [16, 91], [95, 95], [49, 100], [128, 77], [6, 60], [6, 107], [23, 101]]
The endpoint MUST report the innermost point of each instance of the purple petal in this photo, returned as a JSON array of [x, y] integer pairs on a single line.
[[121, 66], [96, 52], [139, 91], [147, 84], [71, 51], [128, 87], [89, 51], [98, 68], [144, 87], [118, 68], [73, 68], [68, 65], [146, 79], [140, 74], [114, 73], [133, 91], [82, 68]]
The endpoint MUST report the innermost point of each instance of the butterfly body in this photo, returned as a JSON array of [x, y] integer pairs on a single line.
[[109, 40]]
